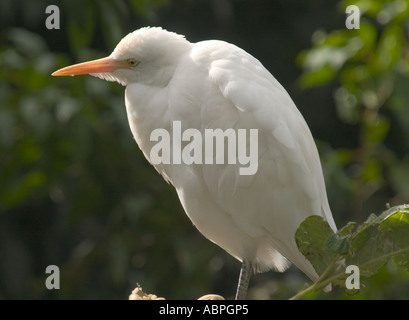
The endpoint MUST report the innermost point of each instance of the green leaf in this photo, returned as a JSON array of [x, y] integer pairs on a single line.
[[317, 77], [396, 236], [338, 244], [364, 248], [311, 238], [389, 49], [377, 130], [373, 243]]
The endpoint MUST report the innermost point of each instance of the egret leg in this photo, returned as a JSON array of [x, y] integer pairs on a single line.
[[245, 274]]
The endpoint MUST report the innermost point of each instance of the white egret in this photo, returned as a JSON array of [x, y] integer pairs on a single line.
[[216, 85]]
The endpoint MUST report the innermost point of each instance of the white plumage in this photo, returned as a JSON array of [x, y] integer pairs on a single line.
[[214, 84]]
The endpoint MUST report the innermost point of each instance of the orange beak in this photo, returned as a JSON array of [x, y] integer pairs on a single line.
[[104, 65]]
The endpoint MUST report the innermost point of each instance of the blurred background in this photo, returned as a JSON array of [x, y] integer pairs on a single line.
[[76, 191]]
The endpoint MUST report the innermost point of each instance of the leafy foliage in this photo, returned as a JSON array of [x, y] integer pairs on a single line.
[[369, 247], [368, 69]]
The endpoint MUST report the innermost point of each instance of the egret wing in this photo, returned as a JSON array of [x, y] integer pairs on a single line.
[[288, 185]]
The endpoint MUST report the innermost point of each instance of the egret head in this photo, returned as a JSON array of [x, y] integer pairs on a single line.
[[147, 55]]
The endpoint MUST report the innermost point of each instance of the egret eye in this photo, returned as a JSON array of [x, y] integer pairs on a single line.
[[132, 62]]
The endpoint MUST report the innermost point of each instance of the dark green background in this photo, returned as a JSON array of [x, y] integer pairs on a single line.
[[76, 192]]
